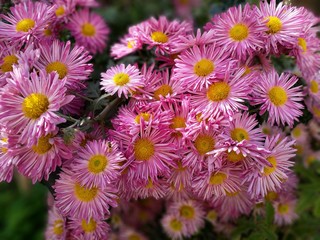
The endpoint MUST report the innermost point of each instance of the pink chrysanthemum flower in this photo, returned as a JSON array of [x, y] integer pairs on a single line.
[[56, 227], [300, 133], [26, 22], [233, 204], [218, 182], [238, 32], [78, 201], [129, 117], [191, 213], [8, 154], [222, 97], [8, 58], [306, 52], [68, 62], [98, 163], [29, 104], [174, 227], [88, 229], [38, 161], [204, 139], [128, 44], [285, 212], [149, 153], [128, 233], [190, 40], [156, 188], [122, 80], [271, 178], [242, 142], [278, 96], [161, 87], [89, 30], [163, 34], [283, 24], [196, 67], [180, 182], [63, 8], [313, 87]]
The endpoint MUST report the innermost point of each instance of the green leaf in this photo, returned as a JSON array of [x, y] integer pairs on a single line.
[[316, 209]]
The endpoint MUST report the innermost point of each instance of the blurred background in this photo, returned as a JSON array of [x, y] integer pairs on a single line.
[[23, 206]]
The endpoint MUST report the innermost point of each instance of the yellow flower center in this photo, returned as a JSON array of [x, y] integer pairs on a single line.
[[58, 227], [283, 208], [85, 194], [278, 96], [239, 32], [163, 90], [25, 25], [145, 116], [88, 30], [271, 196], [149, 184], [34, 105], [316, 111], [90, 226], [176, 225], [8, 61], [218, 91], [310, 159], [247, 70], [187, 212], [47, 32], [232, 194], [204, 143], [43, 145], [314, 86], [268, 170], [178, 122], [97, 164], [217, 178], [159, 37], [212, 215], [239, 134], [59, 67], [234, 157], [143, 149], [130, 44], [134, 236], [296, 132], [274, 24], [60, 11], [121, 79], [203, 67], [303, 44]]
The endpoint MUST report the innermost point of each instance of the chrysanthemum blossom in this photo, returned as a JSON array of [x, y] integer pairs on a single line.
[[78, 201], [122, 80], [174, 227], [29, 104], [285, 210], [68, 62], [89, 30], [283, 24], [26, 22], [88, 229], [38, 161], [271, 178], [222, 97], [56, 227], [195, 67], [238, 32], [278, 96], [217, 183], [98, 163], [156, 188], [191, 213], [128, 44], [164, 34], [7, 155]]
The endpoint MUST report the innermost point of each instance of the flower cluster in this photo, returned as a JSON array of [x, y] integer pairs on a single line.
[[209, 129]]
